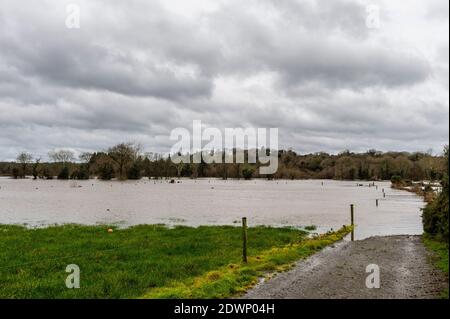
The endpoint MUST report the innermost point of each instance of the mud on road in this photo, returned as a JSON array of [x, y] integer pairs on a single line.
[[339, 272]]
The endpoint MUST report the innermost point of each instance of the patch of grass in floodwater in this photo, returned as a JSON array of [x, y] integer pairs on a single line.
[[440, 258], [311, 227], [150, 260]]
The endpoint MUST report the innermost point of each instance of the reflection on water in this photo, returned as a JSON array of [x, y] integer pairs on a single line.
[[207, 202]]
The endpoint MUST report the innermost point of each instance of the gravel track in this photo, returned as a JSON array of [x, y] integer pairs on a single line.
[[339, 272]]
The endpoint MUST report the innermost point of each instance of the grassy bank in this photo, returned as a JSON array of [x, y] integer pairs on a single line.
[[144, 261], [440, 258]]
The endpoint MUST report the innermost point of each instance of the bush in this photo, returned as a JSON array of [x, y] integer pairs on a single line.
[[435, 215], [46, 173], [35, 171], [81, 173], [247, 173], [64, 173], [106, 171], [15, 173], [134, 172], [396, 180]]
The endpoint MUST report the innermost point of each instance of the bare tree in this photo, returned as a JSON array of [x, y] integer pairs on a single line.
[[61, 156], [85, 157], [24, 159], [64, 157], [123, 155], [36, 168]]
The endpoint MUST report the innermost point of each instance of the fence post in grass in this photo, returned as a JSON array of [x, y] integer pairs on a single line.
[[244, 239], [352, 221], [376, 201]]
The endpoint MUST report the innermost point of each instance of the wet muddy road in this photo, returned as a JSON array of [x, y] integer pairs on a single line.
[[340, 272]]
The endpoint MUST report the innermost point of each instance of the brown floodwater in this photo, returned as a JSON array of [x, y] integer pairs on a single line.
[[211, 202]]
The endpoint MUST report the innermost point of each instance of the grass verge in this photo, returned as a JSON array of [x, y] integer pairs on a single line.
[[149, 261], [237, 278], [440, 258]]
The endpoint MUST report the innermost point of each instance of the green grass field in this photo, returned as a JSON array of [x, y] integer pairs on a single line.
[[149, 261], [440, 258]]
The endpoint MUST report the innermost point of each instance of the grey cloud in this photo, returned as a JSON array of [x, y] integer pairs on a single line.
[[77, 65], [300, 50], [135, 71], [352, 66], [346, 17], [437, 9], [305, 50]]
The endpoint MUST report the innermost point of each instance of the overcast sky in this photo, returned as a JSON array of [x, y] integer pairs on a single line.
[[135, 70]]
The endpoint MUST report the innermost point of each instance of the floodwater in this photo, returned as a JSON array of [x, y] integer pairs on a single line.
[[325, 204]]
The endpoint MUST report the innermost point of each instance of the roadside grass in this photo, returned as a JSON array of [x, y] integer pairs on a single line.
[[149, 260], [440, 258], [235, 279]]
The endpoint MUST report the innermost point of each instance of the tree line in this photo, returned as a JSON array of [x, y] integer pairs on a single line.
[[435, 215], [127, 161]]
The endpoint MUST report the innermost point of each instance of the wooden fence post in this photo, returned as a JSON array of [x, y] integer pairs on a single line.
[[352, 208], [244, 239]]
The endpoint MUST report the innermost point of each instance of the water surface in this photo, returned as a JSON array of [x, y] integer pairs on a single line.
[[211, 202]]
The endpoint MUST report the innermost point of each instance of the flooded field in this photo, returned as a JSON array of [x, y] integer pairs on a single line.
[[324, 204]]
